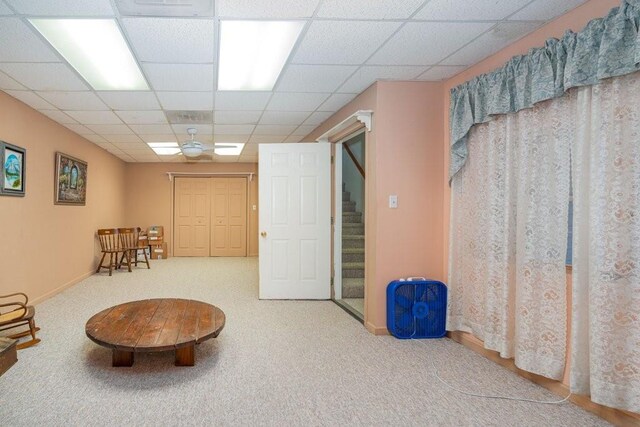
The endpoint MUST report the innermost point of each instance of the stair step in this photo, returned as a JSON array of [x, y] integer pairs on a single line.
[[346, 196], [353, 269], [353, 287], [348, 206], [355, 241], [352, 255], [351, 217], [352, 228]]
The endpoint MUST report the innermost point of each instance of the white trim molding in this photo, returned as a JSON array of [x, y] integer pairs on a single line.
[[363, 116]]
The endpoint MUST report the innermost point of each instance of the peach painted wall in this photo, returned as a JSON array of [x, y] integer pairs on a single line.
[[45, 247], [403, 153], [574, 20], [148, 197]]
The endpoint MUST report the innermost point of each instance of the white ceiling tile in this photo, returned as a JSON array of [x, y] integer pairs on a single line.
[[293, 139], [226, 159], [95, 117], [296, 101], [237, 117], [45, 76], [546, 10], [236, 100], [58, 116], [476, 10], [142, 117], [274, 129], [281, 9], [21, 44], [367, 9], [111, 129], [365, 76], [489, 43], [186, 100], [266, 139], [233, 129], [180, 77], [171, 40], [79, 129], [250, 148], [63, 7], [304, 130], [126, 146], [136, 149], [342, 42], [157, 129], [283, 118], [181, 130], [134, 100], [336, 102], [317, 119], [169, 137], [231, 138], [427, 43], [439, 72], [31, 99], [122, 139], [98, 140], [314, 78], [74, 100], [4, 9], [7, 82]]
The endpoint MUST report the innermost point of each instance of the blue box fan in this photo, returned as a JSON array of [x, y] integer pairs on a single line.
[[416, 308]]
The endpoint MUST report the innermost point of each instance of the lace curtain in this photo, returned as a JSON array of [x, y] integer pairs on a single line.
[[605, 357], [509, 236], [507, 281]]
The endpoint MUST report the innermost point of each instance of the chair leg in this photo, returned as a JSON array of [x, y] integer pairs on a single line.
[[128, 254], [101, 261], [146, 260], [111, 262], [32, 331]]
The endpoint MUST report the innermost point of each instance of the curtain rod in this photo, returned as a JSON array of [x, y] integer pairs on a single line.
[[173, 174]]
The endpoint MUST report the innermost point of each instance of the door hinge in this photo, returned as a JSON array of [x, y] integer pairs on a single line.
[[332, 159], [332, 282], [332, 221]]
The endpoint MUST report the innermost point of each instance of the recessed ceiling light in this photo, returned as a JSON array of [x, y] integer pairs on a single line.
[[164, 148], [228, 148], [96, 49], [252, 53]]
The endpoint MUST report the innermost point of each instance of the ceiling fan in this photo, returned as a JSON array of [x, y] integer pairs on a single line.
[[193, 149]]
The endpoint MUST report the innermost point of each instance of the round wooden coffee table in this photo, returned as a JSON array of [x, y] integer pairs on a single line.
[[155, 325]]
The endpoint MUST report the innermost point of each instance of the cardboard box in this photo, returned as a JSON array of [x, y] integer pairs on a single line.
[[155, 231], [159, 252]]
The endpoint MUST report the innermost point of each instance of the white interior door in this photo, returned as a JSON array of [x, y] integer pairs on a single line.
[[295, 221]]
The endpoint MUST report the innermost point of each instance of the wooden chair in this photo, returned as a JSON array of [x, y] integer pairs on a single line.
[[130, 244], [110, 245], [14, 312]]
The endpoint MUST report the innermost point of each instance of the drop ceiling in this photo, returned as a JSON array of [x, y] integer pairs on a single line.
[[344, 47]]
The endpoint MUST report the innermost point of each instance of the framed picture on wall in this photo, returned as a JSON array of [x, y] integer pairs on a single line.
[[14, 161], [70, 180]]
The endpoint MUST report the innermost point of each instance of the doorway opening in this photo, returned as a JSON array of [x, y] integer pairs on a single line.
[[349, 227]]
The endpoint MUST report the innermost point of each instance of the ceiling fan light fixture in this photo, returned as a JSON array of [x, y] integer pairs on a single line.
[[253, 53], [191, 150]]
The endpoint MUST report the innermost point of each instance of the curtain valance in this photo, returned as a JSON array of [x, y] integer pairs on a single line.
[[606, 47]]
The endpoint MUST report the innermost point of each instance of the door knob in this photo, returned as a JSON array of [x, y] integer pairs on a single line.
[[263, 234]]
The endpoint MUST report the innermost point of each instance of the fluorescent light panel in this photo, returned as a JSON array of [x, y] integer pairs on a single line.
[[252, 53], [96, 49], [228, 148], [164, 148]]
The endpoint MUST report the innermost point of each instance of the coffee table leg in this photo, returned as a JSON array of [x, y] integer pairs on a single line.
[[186, 356], [121, 358]]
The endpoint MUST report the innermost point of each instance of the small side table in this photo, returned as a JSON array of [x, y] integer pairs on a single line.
[[8, 354]]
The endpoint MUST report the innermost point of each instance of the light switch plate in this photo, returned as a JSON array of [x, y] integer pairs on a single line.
[[393, 201]]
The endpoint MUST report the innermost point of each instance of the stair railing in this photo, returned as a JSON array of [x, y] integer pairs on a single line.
[[354, 160]]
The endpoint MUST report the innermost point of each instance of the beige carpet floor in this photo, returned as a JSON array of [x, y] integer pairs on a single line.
[[275, 363]]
